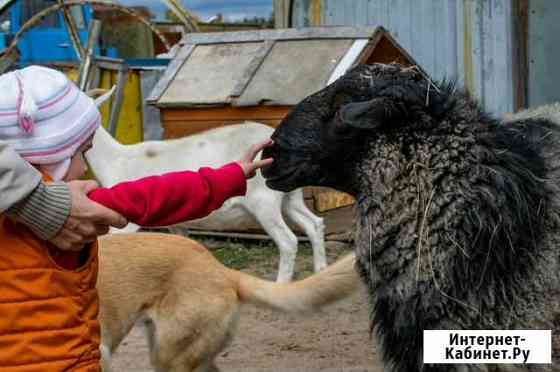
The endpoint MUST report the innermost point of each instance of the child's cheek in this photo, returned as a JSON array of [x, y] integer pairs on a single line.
[[82, 165]]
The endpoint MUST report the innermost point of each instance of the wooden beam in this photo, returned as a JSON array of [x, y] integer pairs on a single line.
[[73, 32], [283, 34], [282, 13], [170, 73], [117, 103], [316, 13], [178, 129], [234, 235], [252, 68], [226, 113], [520, 19], [85, 68]]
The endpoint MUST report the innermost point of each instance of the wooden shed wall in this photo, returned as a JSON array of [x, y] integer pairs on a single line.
[[181, 122]]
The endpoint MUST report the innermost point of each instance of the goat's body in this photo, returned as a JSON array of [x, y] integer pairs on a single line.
[[189, 302], [113, 163]]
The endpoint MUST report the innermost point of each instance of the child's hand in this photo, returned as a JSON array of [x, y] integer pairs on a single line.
[[248, 162]]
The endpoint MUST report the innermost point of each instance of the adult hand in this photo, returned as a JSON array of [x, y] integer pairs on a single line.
[[248, 162], [87, 219]]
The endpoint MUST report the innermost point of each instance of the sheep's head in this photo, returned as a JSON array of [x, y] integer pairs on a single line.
[[320, 140]]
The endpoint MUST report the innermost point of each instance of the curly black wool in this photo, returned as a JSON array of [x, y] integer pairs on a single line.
[[458, 213]]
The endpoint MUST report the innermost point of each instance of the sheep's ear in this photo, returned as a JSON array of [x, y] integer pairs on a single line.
[[368, 114]]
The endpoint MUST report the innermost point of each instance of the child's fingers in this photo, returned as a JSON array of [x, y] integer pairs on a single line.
[[255, 149], [262, 163]]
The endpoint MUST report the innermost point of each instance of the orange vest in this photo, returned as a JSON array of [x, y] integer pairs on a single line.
[[48, 315]]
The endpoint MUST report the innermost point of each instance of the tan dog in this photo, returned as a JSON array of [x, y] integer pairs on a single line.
[[189, 301]]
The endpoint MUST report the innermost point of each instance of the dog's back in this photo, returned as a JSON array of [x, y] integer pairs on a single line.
[[188, 301]]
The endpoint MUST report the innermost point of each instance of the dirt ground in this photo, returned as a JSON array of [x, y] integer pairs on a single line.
[[335, 340]]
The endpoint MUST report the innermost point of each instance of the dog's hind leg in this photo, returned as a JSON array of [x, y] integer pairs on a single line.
[[187, 339]]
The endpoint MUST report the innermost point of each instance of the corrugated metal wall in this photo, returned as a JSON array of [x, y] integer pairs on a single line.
[[544, 54], [468, 39]]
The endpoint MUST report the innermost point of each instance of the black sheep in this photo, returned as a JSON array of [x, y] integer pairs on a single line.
[[458, 213]]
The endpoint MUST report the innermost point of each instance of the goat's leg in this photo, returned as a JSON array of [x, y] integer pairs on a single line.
[[270, 218], [313, 226]]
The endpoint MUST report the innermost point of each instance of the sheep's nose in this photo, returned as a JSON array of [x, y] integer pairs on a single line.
[[267, 152]]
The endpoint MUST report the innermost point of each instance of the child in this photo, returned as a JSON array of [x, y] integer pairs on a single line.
[[48, 300]]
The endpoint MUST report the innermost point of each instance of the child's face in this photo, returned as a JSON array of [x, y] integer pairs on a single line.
[[78, 165]]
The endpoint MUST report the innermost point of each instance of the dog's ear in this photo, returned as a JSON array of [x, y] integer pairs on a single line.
[[369, 114]]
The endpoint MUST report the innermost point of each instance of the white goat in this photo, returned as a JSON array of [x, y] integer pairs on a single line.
[[113, 163]]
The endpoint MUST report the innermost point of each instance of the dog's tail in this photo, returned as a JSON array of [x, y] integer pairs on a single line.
[[333, 283]]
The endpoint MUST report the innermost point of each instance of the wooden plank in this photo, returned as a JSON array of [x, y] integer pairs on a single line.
[[85, 69], [368, 50], [383, 48], [316, 13], [129, 128], [344, 237], [282, 34], [226, 113], [184, 129], [339, 222], [252, 68], [339, 226], [108, 63], [73, 32], [236, 235], [170, 72], [328, 200], [281, 13], [520, 19], [116, 106], [349, 59], [178, 129], [293, 71], [388, 51], [210, 74], [7, 61]]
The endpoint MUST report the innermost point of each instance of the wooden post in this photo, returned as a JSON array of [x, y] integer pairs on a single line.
[[85, 68], [316, 13], [520, 20], [282, 13], [122, 79], [72, 31]]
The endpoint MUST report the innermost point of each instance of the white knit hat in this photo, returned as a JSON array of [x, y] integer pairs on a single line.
[[45, 117]]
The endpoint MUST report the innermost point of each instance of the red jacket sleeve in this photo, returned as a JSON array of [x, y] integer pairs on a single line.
[[173, 197]]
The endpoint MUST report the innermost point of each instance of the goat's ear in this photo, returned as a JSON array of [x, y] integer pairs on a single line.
[[369, 114]]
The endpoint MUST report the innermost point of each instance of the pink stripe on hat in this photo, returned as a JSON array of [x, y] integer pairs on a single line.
[[25, 118]]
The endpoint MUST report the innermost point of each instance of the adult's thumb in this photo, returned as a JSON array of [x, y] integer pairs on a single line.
[[87, 209], [106, 216], [88, 186]]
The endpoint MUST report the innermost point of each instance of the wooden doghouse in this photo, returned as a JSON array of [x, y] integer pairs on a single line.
[[219, 79]]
